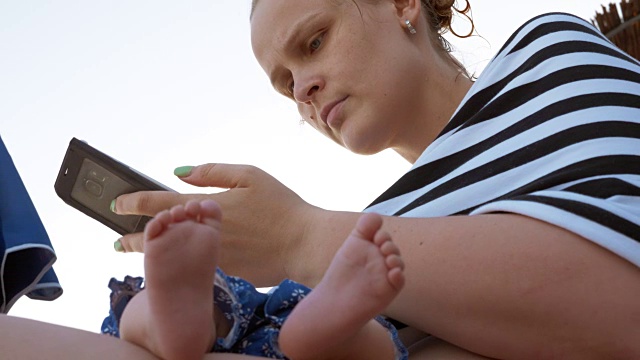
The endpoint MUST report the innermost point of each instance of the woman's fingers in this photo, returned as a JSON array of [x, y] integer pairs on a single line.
[[150, 203], [130, 243], [264, 221], [226, 176]]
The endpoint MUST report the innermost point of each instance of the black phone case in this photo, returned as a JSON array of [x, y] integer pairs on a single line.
[[76, 153]]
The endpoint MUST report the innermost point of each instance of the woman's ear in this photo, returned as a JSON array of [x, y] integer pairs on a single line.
[[408, 10]]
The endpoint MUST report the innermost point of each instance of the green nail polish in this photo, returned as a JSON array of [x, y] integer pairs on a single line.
[[117, 246], [183, 171], [113, 206]]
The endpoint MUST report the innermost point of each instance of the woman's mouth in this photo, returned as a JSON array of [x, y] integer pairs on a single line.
[[329, 113]]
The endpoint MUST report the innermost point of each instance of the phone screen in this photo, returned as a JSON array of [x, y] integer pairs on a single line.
[[96, 187]]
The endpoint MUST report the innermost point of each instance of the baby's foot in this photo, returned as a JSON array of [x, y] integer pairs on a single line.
[[363, 278], [180, 257]]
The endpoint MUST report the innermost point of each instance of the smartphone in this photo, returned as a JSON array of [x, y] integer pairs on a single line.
[[89, 180]]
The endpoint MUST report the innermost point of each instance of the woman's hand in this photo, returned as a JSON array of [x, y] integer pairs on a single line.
[[263, 221]]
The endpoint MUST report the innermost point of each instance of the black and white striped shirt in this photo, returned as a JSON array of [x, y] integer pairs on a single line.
[[550, 130]]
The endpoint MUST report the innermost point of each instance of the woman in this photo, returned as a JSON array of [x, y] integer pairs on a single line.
[[519, 219], [517, 278]]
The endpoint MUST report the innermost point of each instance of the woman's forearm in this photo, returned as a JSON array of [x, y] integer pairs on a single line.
[[29, 339], [502, 285]]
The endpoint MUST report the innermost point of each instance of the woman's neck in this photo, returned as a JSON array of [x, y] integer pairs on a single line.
[[439, 109]]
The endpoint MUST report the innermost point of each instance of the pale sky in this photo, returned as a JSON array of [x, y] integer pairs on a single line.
[[159, 84]]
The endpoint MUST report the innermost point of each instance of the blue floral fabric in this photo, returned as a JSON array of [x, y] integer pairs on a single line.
[[256, 317], [121, 293]]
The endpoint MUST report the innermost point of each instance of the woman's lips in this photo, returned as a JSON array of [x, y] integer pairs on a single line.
[[329, 112]]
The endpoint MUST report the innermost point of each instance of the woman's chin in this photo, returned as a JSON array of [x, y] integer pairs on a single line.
[[362, 146], [361, 140]]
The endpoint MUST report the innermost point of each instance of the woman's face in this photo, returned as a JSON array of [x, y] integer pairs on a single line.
[[351, 69]]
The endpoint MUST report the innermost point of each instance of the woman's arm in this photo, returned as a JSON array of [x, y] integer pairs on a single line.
[[500, 285], [26, 339], [505, 286]]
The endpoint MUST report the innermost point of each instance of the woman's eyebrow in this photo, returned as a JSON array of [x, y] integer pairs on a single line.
[[291, 37], [296, 31]]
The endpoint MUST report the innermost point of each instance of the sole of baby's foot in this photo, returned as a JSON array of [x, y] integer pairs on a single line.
[[181, 249], [363, 278]]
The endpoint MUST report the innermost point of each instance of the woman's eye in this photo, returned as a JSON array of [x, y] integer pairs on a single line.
[[315, 44]]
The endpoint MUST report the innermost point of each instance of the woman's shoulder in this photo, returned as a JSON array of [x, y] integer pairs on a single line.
[[545, 24], [557, 40]]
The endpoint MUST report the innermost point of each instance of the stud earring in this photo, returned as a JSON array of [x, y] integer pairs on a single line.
[[410, 27]]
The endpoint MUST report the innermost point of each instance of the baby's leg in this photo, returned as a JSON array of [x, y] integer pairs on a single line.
[[335, 319], [173, 316]]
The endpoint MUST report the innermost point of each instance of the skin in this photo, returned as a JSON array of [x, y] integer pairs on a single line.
[[32, 340], [330, 61], [550, 294], [364, 276], [499, 285], [181, 251]]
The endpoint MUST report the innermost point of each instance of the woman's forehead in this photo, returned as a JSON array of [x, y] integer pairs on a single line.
[[271, 19], [275, 22], [271, 12]]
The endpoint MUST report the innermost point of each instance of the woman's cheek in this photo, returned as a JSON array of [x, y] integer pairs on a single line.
[[306, 111]]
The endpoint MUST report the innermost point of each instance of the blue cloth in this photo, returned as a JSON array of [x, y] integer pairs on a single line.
[[27, 254], [256, 317]]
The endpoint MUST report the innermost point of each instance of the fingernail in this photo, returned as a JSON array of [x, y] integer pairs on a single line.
[[117, 246], [113, 206], [182, 171]]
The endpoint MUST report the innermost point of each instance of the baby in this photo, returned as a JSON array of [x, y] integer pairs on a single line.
[[178, 316]]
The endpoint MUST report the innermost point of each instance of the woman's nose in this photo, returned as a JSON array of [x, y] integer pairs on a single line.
[[305, 89]]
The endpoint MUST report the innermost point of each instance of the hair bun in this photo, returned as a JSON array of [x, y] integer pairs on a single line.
[[440, 13]]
